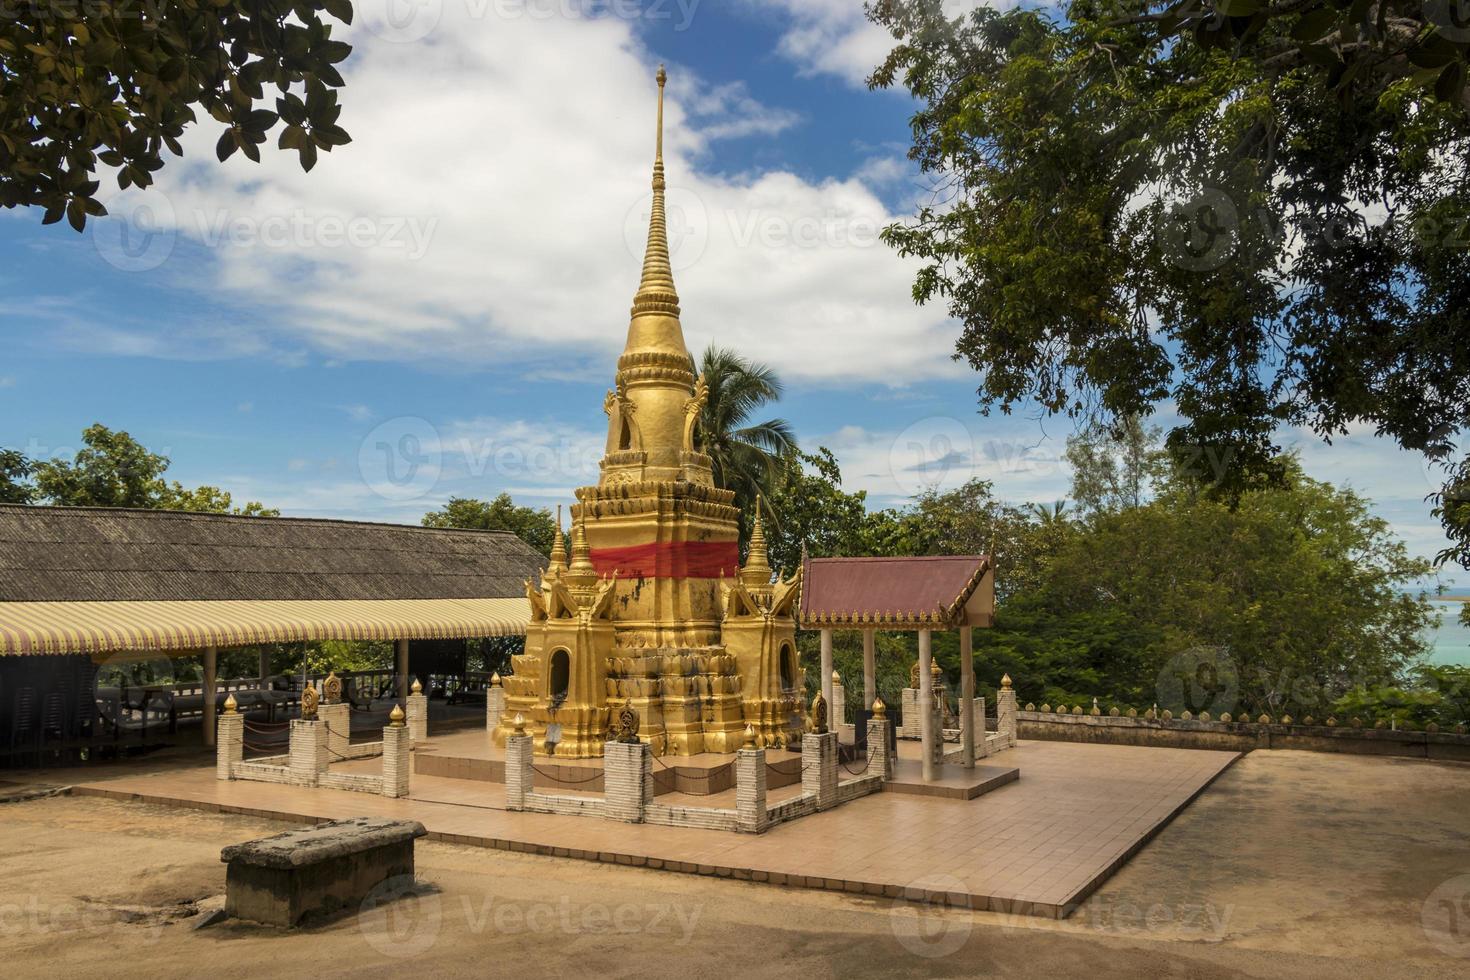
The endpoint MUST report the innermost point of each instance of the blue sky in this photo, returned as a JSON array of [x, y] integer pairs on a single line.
[[436, 308]]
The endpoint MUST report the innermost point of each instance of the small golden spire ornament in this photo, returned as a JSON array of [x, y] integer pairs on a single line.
[[495, 679], [519, 723], [1005, 682], [880, 710], [819, 714], [416, 687], [558, 547], [749, 737], [230, 704], [396, 716]]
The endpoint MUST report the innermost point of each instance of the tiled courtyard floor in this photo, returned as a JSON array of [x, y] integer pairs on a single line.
[[1038, 845]]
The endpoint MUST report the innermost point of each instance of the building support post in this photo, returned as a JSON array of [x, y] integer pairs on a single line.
[[870, 671], [825, 680], [926, 705], [265, 665], [402, 670], [211, 668], [967, 697]]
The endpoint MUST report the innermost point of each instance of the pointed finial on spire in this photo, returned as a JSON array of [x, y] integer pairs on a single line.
[[558, 547], [656, 294], [581, 573], [757, 571]]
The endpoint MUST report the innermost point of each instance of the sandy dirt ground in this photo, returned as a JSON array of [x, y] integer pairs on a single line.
[[1290, 865]]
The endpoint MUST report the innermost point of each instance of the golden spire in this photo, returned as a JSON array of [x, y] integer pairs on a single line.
[[757, 570], [581, 573], [558, 549], [656, 294]]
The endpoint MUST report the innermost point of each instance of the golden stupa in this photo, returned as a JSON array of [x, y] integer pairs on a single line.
[[653, 610]]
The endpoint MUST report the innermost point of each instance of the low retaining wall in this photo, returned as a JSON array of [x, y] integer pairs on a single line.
[[1241, 736]]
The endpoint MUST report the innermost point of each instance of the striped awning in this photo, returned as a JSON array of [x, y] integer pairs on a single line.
[[101, 627]]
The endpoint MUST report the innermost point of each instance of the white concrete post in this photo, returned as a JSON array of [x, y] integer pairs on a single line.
[[837, 704], [824, 681], [494, 707], [418, 713], [397, 760], [819, 768], [967, 698], [750, 790], [879, 758], [338, 721], [211, 668], [870, 670], [1005, 711], [308, 752], [518, 772], [926, 706], [230, 746], [623, 765]]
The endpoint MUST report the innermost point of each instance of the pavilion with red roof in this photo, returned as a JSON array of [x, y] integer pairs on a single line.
[[920, 594]]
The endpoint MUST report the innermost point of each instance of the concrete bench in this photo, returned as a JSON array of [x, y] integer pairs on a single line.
[[282, 879]]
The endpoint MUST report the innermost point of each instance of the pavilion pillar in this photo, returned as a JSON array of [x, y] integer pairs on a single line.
[[870, 671], [402, 670], [826, 675], [211, 667], [967, 697], [265, 663], [926, 704]]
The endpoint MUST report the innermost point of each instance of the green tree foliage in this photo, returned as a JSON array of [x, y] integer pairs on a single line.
[[116, 82], [810, 507], [114, 470], [1295, 592], [15, 473], [1113, 468], [1259, 211], [534, 526], [746, 454], [1437, 694]]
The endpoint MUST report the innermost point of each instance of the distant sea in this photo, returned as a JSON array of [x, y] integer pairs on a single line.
[[1452, 639]]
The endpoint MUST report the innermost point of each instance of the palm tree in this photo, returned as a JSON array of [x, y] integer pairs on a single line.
[[1050, 516], [746, 454]]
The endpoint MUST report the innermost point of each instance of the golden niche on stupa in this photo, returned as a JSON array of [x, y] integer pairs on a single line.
[[652, 610]]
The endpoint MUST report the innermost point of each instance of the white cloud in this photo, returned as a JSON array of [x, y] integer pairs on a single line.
[[835, 37], [7, 382], [490, 210]]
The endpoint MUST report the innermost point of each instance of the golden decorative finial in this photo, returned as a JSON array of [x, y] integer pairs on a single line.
[[880, 710], [395, 717], [1005, 682], [558, 546], [519, 723], [749, 737], [819, 714], [495, 679], [656, 294], [581, 572], [230, 704], [836, 677], [416, 687], [757, 570]]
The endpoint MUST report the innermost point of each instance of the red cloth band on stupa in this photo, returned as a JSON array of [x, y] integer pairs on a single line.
[[669, 559]]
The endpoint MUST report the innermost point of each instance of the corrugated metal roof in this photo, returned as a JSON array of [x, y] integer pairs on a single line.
[[102, 627]]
